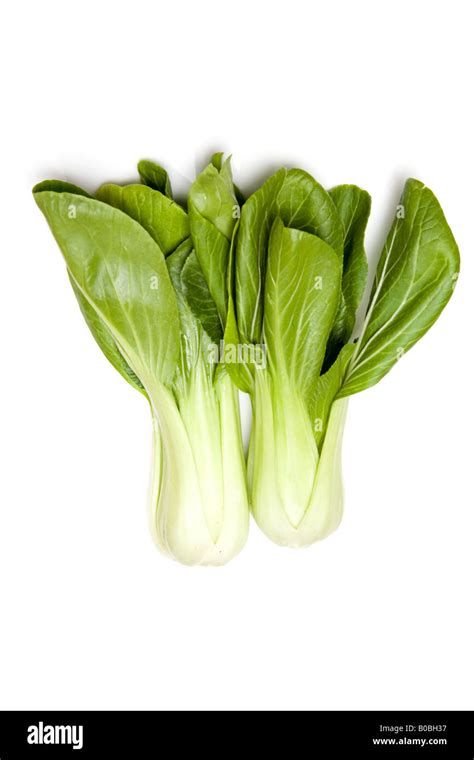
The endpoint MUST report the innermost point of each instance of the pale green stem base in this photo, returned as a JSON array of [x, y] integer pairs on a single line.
[[296, 492]]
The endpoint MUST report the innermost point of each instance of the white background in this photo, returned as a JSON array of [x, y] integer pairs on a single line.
[[379, 615]]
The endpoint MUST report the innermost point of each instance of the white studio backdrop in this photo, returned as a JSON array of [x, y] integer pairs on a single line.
[[378, 616]]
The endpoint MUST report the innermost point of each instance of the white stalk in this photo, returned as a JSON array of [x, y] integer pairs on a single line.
[[198, 494]]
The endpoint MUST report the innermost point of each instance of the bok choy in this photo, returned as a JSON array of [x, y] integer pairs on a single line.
[[133, 268], [295, 282], [263, 295]]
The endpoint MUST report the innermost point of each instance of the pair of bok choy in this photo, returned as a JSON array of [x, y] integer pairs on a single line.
[[260, 295]]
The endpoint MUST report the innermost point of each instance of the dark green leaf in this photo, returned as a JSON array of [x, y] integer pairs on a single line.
[[199, 298], [199, 320], [213, 212], [353, 206], [155, 176], [239, 370], [216, 160], [325, 391], [190, 331]]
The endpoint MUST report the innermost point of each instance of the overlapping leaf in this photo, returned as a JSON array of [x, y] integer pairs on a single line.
[[155, 176], [121, 272], [353, 207], [302, 289], [161, 217], [301, 203], [213, 212]]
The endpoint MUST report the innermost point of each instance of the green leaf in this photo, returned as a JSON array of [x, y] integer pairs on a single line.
[[239, 370], [155, 176], [353, 206], [325, 391], [216, 161], [301, 203], [98, 328], [59, 186], [213, 212], [302, 290], [190, 331], [199, 321], [239, 196], [211, 196], [122, 273], [199, 298], [105, 340], [415, 278], [162, 218]]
